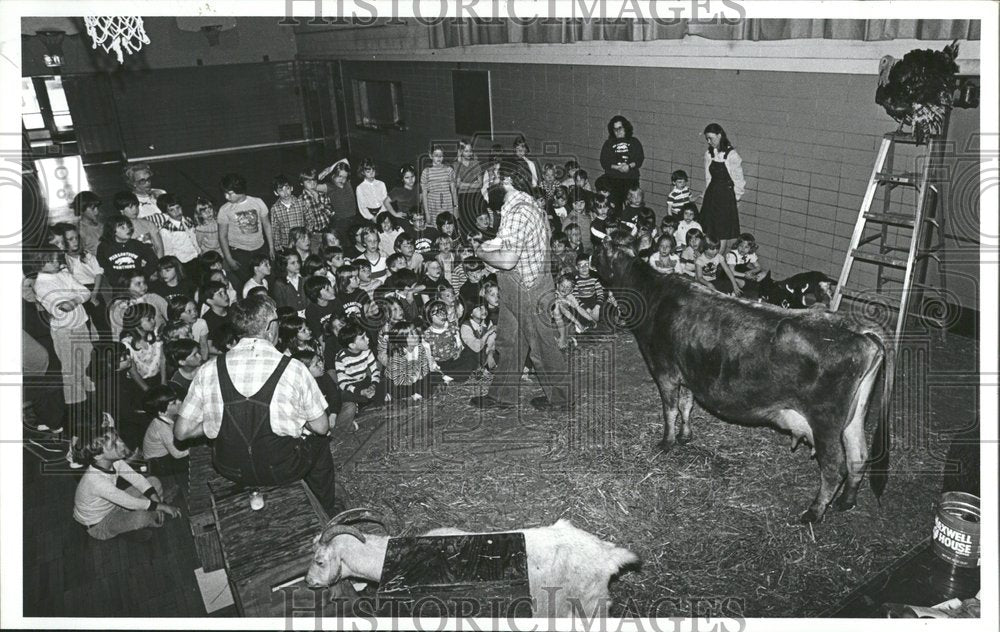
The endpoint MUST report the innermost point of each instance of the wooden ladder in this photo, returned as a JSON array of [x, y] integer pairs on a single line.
[[922, 244]]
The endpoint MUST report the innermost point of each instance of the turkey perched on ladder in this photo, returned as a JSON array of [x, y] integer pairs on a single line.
[[919, 89]]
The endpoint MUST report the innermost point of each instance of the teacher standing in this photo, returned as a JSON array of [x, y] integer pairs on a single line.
[[621, 158], [724, 186], [520, 252]]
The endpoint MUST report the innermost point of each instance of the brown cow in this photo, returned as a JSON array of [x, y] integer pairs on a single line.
[[806, 373]]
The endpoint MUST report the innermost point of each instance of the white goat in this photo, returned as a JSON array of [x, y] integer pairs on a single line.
[[568, 568]]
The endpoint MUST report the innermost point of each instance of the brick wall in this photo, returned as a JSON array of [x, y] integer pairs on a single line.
[[808, 141]]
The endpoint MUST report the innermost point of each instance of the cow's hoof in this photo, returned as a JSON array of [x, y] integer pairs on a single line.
[[844, 504], [684, 438], [811, 516], [665, 446]]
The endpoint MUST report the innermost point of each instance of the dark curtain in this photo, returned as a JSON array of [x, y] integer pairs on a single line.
[[471, 32]]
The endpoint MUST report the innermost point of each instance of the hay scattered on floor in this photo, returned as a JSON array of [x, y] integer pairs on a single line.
[[715, 519]]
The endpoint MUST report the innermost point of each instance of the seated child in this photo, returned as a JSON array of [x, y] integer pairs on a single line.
[[489, 293], [691, 251], [325, 380], [216, 302], [261, 265], [357, 373], [113, 499], [688, 223], [743, 260], [445, 342], [446, 257], [475, 272], [184, 309], [563, 258], [577, 246], [294, 335], [707, 267], [567, 310], [367, 281], [288, 280], [186, 356], [388, 232], [158, 447], [588, 289], [424, 237], [352, 301], [321, 296], [665, 260], [411, 258], [603, 222], [409, 367], [479, 338], [139, 336]]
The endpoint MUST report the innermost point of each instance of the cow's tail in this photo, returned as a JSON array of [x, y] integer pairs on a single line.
[[878, 468]]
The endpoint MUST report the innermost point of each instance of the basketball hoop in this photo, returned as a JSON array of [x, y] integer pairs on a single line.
[[118, 33]]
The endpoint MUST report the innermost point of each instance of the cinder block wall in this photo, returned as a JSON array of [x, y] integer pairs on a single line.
[[808, 141]]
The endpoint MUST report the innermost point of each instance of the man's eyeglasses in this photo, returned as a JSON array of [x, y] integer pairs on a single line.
[[143, 180], [618, 127]]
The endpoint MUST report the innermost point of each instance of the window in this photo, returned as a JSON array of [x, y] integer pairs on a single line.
[[31, 110], [57, 101], [378, 104], [44, 110], [473, 113]]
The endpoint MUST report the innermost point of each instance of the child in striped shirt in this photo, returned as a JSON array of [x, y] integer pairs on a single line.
[[588, 289], [357, 373], [680, 195]]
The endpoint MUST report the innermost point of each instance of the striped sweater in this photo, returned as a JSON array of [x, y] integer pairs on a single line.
[[356, 371], [587, 288]]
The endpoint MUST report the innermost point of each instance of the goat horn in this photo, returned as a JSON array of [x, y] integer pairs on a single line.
[[355, 515], [333, 530]]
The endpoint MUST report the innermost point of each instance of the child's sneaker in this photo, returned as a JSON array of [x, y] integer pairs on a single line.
[[416, 397], [72, 463]]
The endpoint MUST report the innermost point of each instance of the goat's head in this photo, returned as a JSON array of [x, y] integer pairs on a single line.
[[327, 566]]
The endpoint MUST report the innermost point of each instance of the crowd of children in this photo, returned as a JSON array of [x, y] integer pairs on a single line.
[[382, 310]]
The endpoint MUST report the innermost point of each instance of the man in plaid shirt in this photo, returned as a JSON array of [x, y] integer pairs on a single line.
[[265, 412], [521, 253]]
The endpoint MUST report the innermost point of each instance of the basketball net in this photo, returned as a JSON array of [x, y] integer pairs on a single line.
[[118, 33]]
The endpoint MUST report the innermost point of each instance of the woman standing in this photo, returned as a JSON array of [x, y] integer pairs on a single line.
[[724, 186], [621, 158], [437, 187], [140, 181]]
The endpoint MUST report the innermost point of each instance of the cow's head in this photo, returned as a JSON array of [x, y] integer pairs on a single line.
[[615, 253]]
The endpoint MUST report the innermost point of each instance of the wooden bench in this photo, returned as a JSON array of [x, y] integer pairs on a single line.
[[201, 477], [268, 552]]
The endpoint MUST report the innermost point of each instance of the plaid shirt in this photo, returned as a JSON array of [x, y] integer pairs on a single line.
[[296, 398], [318, 210], [284, 218], [524, 230]]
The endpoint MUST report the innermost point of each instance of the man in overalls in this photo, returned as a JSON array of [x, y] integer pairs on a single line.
[[263, 409]]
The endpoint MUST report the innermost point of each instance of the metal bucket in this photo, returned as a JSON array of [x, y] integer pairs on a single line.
[[956, 529]]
